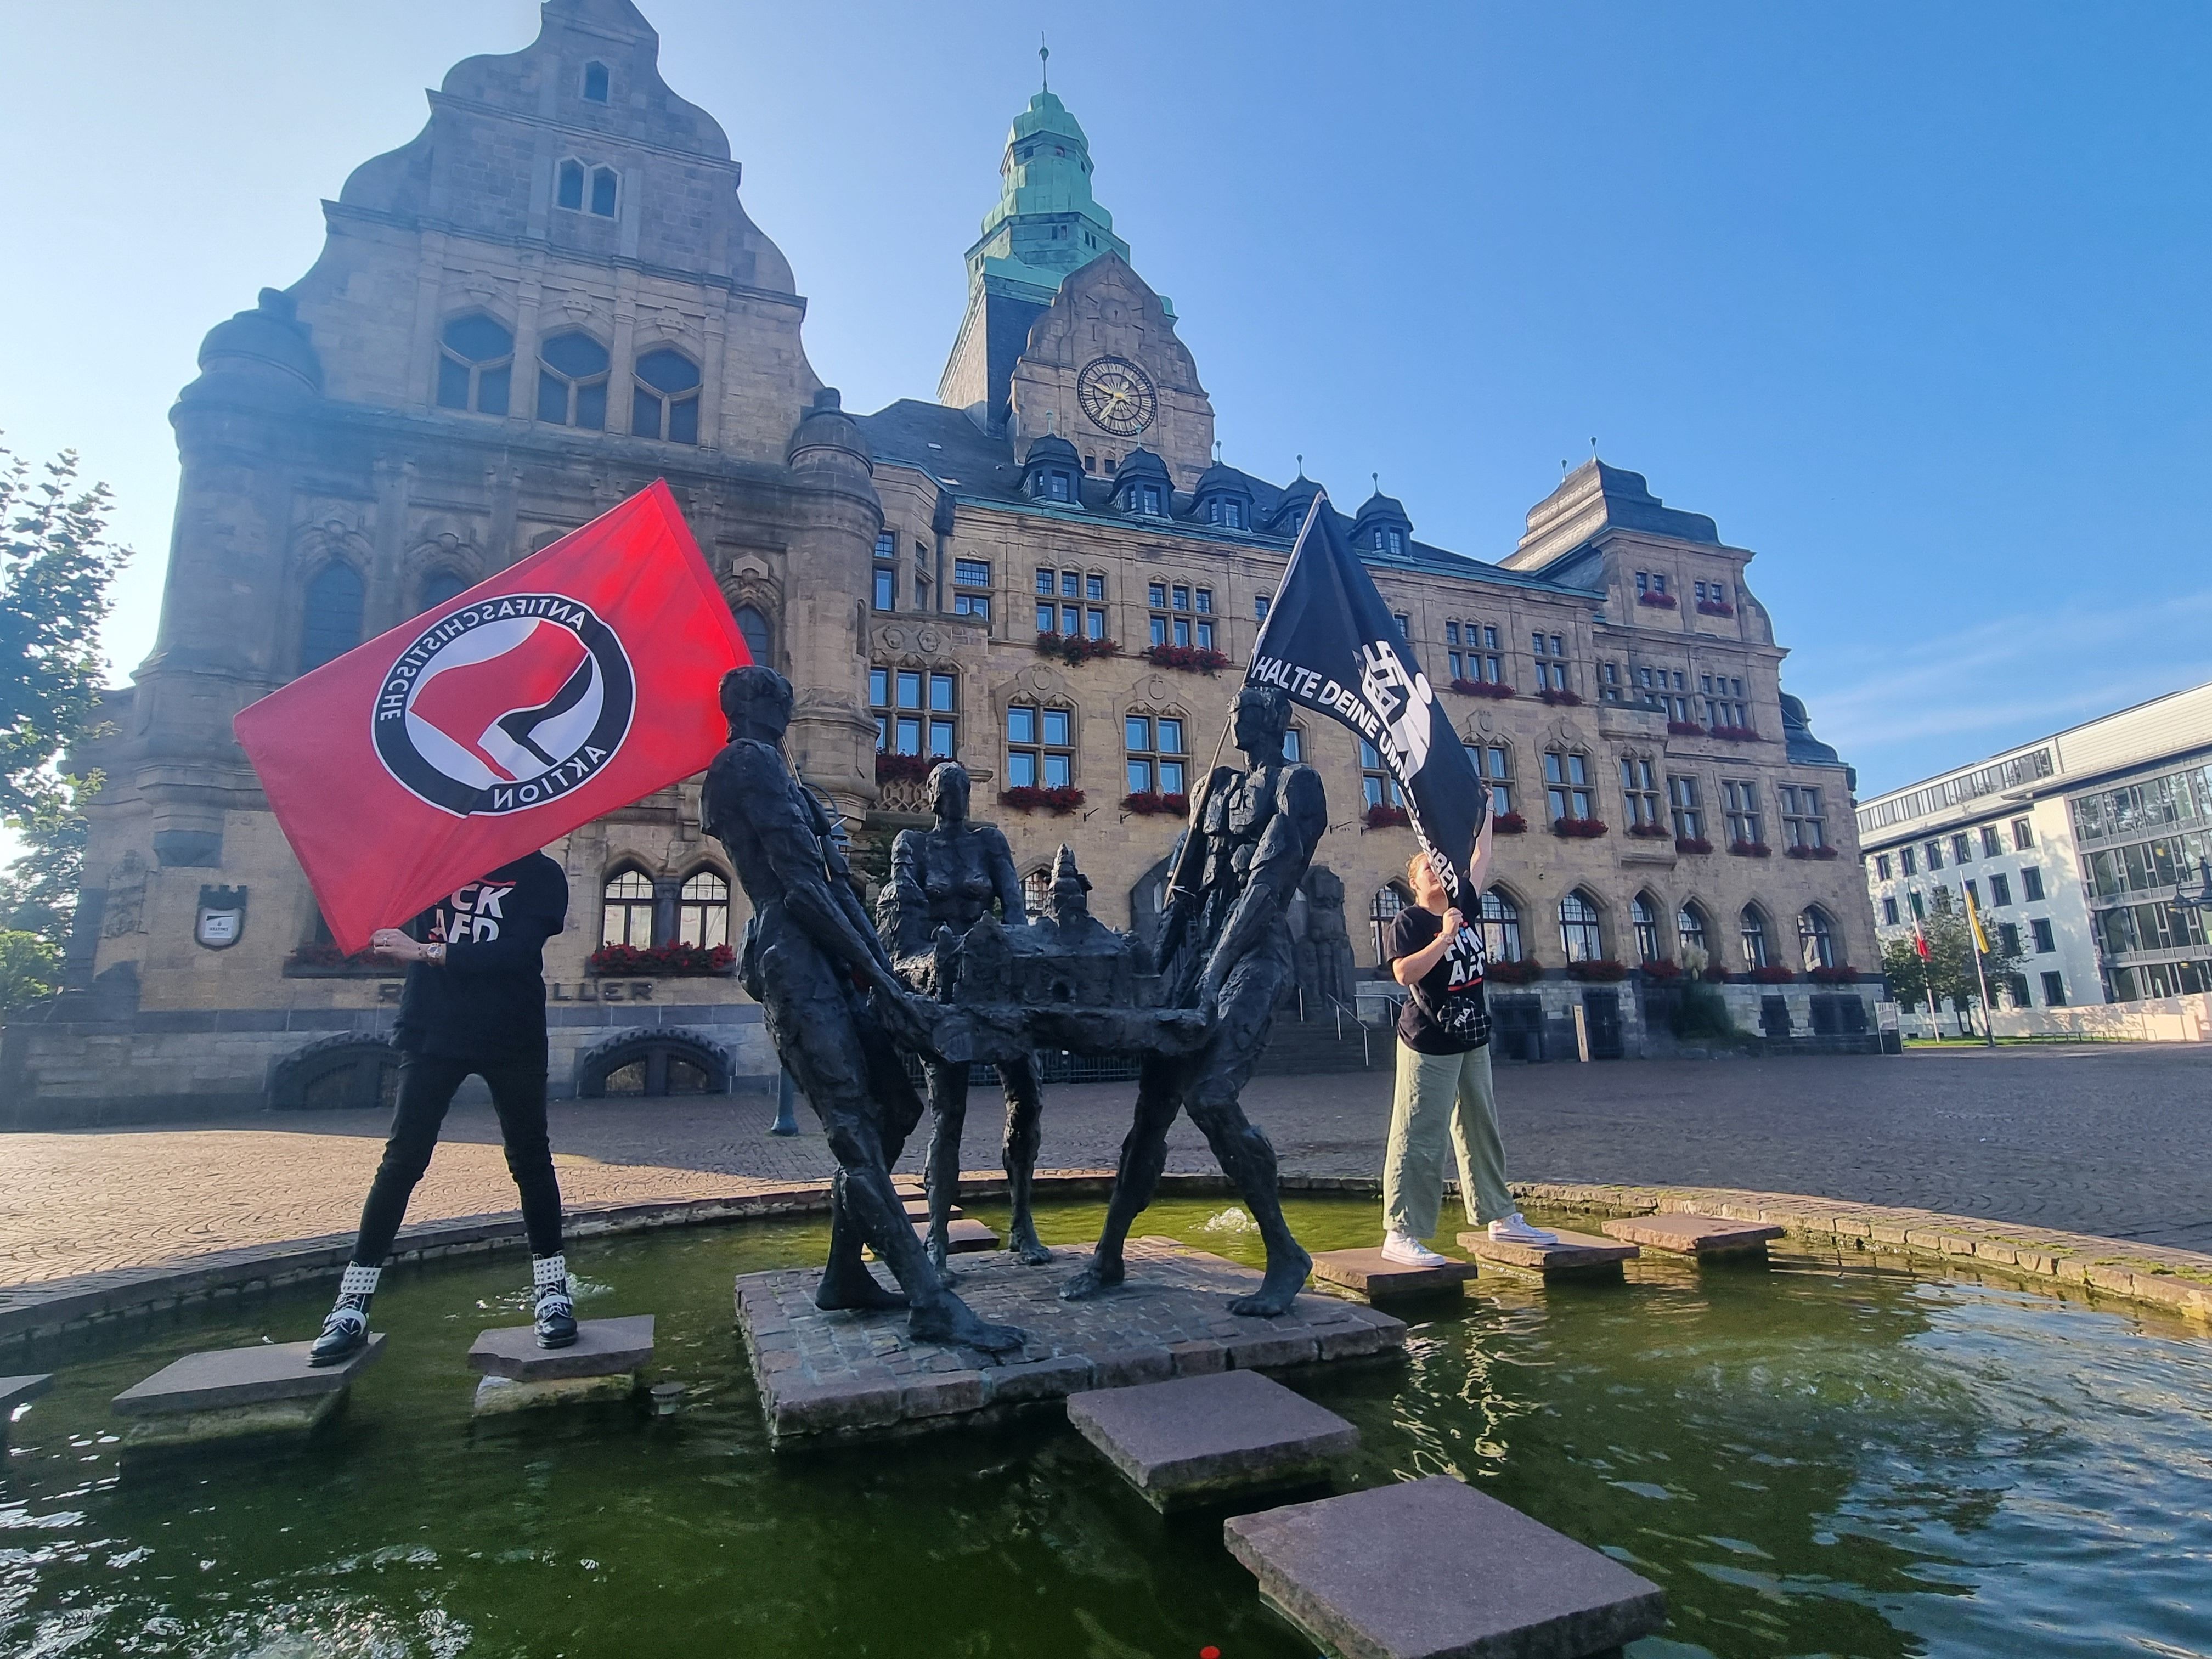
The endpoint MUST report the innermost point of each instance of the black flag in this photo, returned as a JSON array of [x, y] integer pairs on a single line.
[[1331, 643]]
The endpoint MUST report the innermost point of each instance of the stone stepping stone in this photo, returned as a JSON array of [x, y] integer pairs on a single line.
[[1577, 1255], [17, 1391], [917, 1209], [265, 1388], [1435, 1570], [602, 1364], [1198, 1438], [963, 1237], [1709, 1238], [1367, 1274]]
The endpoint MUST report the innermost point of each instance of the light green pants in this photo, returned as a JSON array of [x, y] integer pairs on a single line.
[[1439, 1096]]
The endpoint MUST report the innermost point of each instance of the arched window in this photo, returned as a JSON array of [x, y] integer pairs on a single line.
[[703, 911], [626, 912], [604, 183], [1816, 938], [1036, 889], [1382, 910], [673, 1064], [1645, 915], [664, 401], [476, 361], [1294, 745], [1501, 927], [1578, 929], [330, 625], [568, 186], [759, 637], [1690, 932], [595, 82], [572, 381], [439, 586], [1754, 937]]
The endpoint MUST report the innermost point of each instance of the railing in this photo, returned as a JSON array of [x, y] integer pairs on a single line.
[[1366, 1050]]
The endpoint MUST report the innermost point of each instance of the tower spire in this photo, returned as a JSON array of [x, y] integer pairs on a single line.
[[1044, 61]]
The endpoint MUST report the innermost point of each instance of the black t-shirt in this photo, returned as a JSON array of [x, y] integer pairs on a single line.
[[1441, 1016], [487, 999]]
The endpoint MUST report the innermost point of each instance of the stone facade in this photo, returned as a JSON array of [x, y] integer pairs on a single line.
[[552, 297]]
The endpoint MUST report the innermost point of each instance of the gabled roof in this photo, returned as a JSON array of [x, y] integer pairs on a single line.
[[1596, 497]]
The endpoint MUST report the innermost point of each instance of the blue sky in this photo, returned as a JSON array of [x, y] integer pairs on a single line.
[[1910, 299]]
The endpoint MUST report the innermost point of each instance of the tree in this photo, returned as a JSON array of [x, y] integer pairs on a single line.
[[1949, 967], [57, 567], [30, 968]]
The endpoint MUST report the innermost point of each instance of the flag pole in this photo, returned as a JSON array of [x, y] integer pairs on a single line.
[[1979, 940]]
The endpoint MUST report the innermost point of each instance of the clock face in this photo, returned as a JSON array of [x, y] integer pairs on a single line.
[[1117, 395]]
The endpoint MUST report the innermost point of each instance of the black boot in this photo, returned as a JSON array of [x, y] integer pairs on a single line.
[[556, 1312], [345, 1331]]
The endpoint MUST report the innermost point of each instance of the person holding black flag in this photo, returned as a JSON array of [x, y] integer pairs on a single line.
[[474, 1002]]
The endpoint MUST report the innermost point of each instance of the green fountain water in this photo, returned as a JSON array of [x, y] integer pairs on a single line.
[[1830, 1455]]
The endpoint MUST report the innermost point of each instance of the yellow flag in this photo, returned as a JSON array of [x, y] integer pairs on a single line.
[[1974, 921]]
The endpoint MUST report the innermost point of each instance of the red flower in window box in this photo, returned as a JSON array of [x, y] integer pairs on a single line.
[[1073, 649], [1191, 658], [1508, 823], [1578, 829], [1559, 699], [1656, 601], [1843, 973], [1714, 976], [1660, 968], [1693, 844], [1028, 797], [1601, 970], [899, 769], [1751, 850], [1810, 853], [1497, 688], [1715, 608], [628, 961], [1149, 801], [1770, 975], [1385, 817], [1524, 971], [1685, 729], [1735, 734], [1649, 831]]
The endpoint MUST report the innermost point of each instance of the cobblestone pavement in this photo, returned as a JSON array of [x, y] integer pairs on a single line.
[[2104, 1138]]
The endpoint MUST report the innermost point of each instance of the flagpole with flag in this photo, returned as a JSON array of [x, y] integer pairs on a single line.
[[1980, 941], [1926, 967]]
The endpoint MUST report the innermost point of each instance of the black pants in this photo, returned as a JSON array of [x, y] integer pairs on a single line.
[[427, 1084]]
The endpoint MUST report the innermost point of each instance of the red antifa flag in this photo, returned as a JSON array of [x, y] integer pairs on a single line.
[[572, 683]]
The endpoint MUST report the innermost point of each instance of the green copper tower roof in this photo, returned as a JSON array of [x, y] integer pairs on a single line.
[[1046, 224]]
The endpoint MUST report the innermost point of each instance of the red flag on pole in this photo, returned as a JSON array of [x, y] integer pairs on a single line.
[[568, 685]]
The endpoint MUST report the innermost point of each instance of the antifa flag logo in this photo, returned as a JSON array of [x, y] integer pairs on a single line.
[[505, 704]]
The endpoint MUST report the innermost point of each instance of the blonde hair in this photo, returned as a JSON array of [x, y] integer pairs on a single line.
[[1418, 866]]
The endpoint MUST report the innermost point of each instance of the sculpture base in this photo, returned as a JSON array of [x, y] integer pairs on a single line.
[[830, 1376]]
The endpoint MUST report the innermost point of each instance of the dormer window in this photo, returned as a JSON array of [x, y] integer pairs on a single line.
[[595, 83], [1227, 511], [1145, 498], [1054, 485], [1387, 540]]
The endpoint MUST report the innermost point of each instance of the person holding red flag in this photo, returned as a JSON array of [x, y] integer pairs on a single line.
[[474, 1003]]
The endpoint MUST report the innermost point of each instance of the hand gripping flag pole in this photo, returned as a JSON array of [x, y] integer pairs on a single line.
[[572, 683], [1331, 644]]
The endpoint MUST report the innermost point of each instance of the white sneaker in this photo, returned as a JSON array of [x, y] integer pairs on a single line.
[[1411, 1252], [1514, 1230]]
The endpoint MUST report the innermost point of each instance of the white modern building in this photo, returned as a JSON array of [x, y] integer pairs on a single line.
[[2075, 847]]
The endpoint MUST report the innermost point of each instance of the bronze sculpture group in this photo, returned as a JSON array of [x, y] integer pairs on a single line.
[[944, 977]]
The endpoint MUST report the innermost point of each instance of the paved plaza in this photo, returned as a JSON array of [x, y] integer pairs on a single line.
[[2100, 1139]]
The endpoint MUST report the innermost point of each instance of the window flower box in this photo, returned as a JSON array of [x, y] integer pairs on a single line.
[[1578, 829], [1685, 729], [1526, 970], [669, 961], [1693, 844], [1660, 968], [1602, 970], [1751, 850], [1508, 823], [1149, 801], [1028, 797], [1649, 831], [1810, 853], [1843, 974], [1073, 649], [1385, 817], [1190, 659], [1714, 976], [1769, 976], [1715, 608], [1497, 688], [1657, 601], [1735, 734], [902, 768], [1559, 699]]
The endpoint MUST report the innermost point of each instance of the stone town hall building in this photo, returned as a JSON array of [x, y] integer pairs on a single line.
[[552, 297]]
